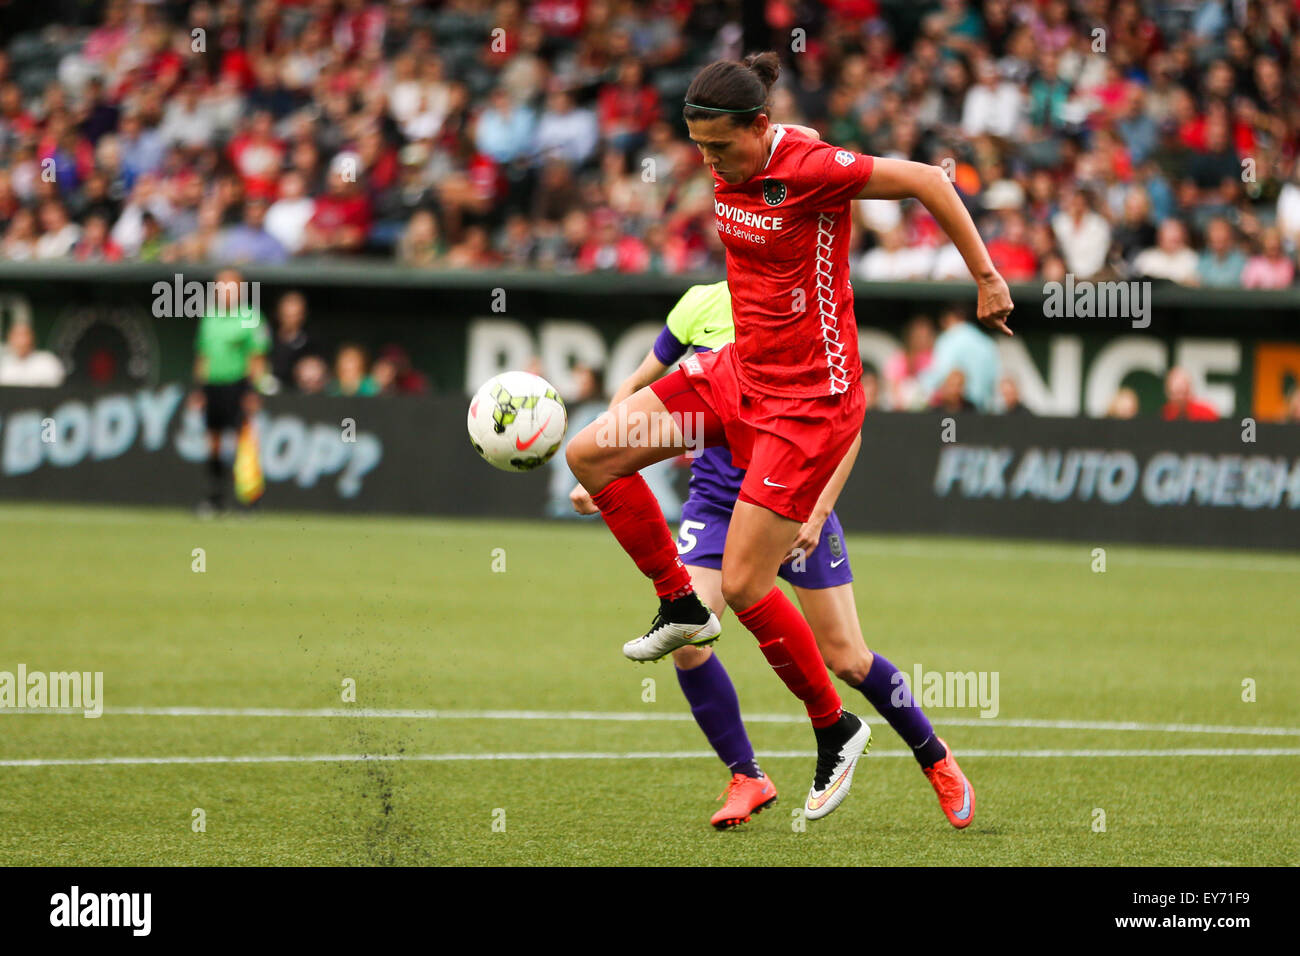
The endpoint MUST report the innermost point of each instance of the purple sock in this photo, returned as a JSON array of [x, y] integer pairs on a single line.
[[885, 689], [716, 707]]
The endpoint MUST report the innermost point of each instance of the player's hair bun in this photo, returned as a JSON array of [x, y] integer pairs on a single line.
[[738, 90], [766, 66]]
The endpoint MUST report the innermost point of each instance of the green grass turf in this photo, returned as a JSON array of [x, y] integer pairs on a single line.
[[411, 609]]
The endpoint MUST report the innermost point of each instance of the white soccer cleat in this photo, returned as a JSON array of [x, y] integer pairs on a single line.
[[838, 748], [664, 637]]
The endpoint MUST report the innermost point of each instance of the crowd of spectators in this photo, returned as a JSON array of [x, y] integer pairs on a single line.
[[299, 361], [1100, 138]]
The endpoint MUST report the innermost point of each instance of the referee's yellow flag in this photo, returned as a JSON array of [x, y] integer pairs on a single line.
[[249, 482]]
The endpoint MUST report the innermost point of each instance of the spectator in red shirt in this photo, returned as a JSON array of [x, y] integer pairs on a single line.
[[15, 121], [610, 252], [378, 159], [258, 155], [561, 18], [359, 28], [1181, 404], [9, 202], [1011, 253], [474, 251], [162, 65], [342, 217], [628, 108], [94, 244]]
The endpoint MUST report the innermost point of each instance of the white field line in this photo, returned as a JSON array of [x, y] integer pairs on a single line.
[[633, 755], [1119, 555], [639, 716]]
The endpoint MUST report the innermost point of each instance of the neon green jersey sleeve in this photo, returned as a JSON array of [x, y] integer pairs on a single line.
[[702, 316]]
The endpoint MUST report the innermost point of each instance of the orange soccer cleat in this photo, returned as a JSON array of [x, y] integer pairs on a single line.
[[956, 795], [744, 797]]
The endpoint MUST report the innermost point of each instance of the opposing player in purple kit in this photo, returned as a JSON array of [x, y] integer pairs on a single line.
[[818, 570]]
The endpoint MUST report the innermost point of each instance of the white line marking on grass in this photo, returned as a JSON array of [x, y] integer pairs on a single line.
[[1138, 554], [633, 755], [639, 716], [997, 550]]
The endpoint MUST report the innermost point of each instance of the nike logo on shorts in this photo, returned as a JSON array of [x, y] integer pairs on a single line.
[[836, 564], [772, 484]]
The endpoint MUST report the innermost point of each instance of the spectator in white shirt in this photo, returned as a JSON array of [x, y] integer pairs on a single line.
[[21, 364], [1288, 208], [1083, 235], [287, 217], [19, 243], [992, 105], [58, 234], [879, 215], [188, 121], [565, 130], [405, 92], [893, 261], [949, 266], [1170, 258]]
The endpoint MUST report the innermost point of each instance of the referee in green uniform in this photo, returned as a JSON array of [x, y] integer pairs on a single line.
[[230, 354]]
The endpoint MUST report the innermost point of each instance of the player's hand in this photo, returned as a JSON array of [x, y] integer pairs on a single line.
[[810, 532], [196, 400], [994, 307], [252, 402], [582, 502]]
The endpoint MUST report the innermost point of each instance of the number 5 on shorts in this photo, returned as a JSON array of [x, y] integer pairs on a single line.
[[687, 535]]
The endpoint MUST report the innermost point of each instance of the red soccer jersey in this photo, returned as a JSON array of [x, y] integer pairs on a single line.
[[786, 230]]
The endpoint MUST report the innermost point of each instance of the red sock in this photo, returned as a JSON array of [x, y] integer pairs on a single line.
[[634, 516], [787, 642]]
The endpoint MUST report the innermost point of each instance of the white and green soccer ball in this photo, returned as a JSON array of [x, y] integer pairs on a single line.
[[517, 421]]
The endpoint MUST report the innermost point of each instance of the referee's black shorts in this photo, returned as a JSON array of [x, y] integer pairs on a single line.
[[224, 410]]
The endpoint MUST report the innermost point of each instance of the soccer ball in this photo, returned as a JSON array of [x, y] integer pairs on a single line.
[[517, 421]]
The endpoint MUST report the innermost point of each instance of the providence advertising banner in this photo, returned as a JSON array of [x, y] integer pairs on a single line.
[[1143, 480], [1215, 484], [132, 325]]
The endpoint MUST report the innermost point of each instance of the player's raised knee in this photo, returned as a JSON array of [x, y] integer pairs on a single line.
[[584, 452]]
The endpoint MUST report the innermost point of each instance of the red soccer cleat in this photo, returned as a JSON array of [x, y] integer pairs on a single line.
[[744, 797], [956, 795]]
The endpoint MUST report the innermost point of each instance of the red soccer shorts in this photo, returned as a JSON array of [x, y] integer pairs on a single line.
[[789, 447]]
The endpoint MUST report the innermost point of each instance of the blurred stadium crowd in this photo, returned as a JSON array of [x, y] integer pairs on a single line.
[[1103, 138]]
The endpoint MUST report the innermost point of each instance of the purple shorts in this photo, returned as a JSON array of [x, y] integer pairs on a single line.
[[704, 532]]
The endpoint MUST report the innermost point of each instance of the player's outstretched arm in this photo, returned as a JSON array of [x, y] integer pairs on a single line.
[[648, 371], [902, 179]]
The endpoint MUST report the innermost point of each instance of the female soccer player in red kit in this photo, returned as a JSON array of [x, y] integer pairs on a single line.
[[784, 397]]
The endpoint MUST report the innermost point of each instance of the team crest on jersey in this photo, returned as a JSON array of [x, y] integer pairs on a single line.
[[844, 158], [837, 547], [773, 192]]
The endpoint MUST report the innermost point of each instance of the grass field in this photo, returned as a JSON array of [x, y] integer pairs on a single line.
[[1119, 691]]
